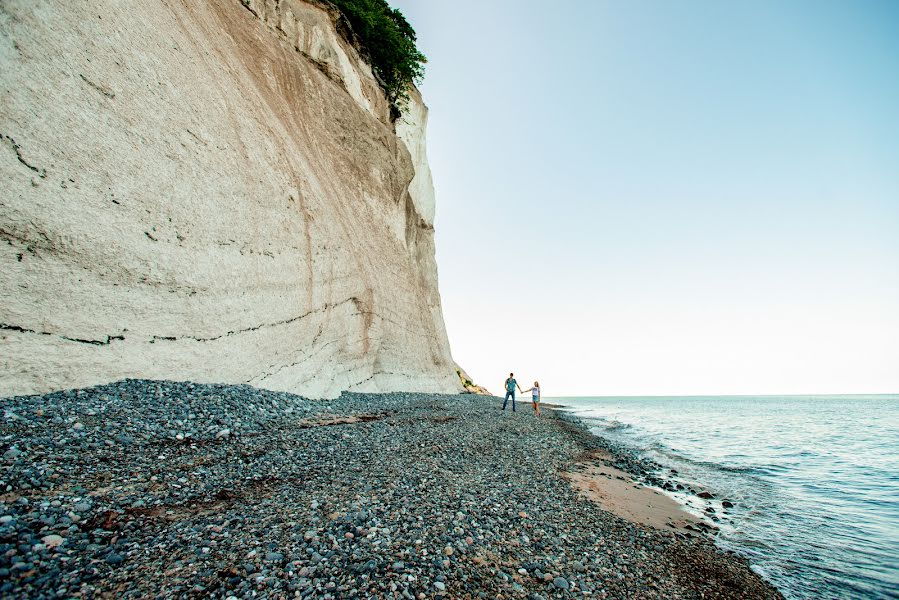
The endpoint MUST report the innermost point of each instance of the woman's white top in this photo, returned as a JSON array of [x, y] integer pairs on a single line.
[[536, 392]]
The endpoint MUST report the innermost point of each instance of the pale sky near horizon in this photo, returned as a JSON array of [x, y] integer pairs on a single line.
[[667, 198]]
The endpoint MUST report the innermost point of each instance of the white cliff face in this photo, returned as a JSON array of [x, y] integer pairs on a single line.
[[212, 192], [310, 28], [411, 128]]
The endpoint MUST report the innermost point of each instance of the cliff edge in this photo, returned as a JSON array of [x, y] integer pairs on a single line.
[[211, 191]]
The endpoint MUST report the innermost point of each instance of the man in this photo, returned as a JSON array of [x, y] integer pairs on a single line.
[[511, 384]]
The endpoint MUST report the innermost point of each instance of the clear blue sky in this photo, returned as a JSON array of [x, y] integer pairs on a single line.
[[640, 197]]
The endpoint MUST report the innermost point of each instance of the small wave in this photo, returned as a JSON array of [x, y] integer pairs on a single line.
[[677, 455], [604, 424], [766, 469], [646, 444]]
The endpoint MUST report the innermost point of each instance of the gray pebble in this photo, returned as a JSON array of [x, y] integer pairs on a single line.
[[561, 583]]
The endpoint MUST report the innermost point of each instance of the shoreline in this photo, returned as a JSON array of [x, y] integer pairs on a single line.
[[677, 496], [172, 489], [621, 493]]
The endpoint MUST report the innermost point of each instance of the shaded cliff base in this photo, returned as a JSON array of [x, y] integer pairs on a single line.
[[148, 488]]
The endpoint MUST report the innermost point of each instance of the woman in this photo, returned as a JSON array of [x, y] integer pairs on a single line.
[[535, 396]]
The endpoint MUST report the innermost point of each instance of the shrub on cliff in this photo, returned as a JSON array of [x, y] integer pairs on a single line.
[[389, 40]]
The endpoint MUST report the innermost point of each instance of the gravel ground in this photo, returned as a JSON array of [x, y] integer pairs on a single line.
[[158, 489]]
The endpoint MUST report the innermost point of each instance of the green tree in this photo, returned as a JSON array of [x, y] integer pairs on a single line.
[[389, 41]]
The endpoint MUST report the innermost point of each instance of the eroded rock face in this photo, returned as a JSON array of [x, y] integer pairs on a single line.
[[213, 192]]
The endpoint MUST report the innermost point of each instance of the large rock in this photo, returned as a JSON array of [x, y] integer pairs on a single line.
[[210, 191]]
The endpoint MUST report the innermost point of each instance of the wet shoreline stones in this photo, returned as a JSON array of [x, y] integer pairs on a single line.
[[163, 489]]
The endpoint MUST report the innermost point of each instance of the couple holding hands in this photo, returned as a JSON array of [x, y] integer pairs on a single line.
[[511, 384]]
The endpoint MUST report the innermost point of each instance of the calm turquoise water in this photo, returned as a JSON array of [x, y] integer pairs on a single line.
[[815, 479]]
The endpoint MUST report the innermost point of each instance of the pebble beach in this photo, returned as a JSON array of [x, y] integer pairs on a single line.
[[158, 489]]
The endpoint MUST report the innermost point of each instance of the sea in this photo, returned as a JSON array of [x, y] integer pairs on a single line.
[[814, 479]]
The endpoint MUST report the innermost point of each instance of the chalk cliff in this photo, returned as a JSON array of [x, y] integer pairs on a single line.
[[210, 190]]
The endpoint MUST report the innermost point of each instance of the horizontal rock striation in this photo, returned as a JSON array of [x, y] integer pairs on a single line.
[[212, 191]]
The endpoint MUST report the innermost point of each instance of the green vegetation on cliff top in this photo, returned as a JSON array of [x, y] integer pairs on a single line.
[[389, 41]]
